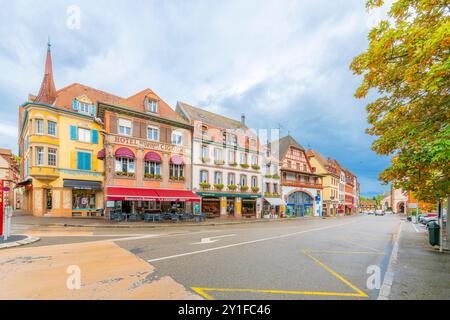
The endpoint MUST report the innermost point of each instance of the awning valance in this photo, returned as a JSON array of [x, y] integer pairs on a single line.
[[124, 153], [23, 183], [147, 194], [275, 201], [152, 156], [176, 160], [101, 154], [82, 184]]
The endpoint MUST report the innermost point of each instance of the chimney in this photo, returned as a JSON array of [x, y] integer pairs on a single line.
[[243, 119]]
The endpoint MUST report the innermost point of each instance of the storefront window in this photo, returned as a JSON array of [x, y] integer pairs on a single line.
[[83, 199]]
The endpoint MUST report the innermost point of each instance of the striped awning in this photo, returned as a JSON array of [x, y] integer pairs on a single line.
[[176, 160], [124, 153], [152, 156]]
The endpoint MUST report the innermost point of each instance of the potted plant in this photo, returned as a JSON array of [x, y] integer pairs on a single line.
[[276, 177], [149, 175], [255, 189], [219, 186], [245, 165], [233, 164], [205, 159], [268, 176], [181, 178], [244, 188], [232, 187], [219, 162], [256, 167], [205, 185], [157, 177]]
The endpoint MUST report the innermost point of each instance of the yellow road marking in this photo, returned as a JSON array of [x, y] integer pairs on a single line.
[[201, 291], [345, 252], [334, 273], [361, 246]]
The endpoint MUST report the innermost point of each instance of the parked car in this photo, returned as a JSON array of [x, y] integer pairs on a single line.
[[379, 212], [389, 211]]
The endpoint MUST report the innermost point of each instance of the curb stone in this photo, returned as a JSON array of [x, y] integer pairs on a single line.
[[19, 243]]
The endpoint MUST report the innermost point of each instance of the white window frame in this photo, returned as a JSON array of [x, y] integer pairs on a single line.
[[254, 160], [231, 156], [39, 128], [84, 107], [39, 156], [218, 177], [125, 127], [218, 154], [232, 180], [152, 136], [50, 155], [204, 151], [204, 174], [84, 135], [177, 138], [48, 128], [129, 164], [153, 167], [152, 105], [254, 181], [244, 158]]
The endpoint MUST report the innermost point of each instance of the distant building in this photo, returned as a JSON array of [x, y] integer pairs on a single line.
[[395, 200], [329, 169], [366, 205], [9, 172]]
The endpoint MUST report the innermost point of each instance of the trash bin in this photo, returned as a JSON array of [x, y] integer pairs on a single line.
[[433, 233], [409, 218]]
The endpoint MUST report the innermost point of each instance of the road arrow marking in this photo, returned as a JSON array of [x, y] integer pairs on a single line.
[[210, 240]]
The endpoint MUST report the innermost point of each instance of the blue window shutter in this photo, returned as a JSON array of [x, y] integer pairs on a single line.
[[87, 161], [80, 160], [73, 132], [94, 136], [75, 104], [93, 109]]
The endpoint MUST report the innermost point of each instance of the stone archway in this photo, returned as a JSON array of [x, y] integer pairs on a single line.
[[302, 203], [401, 207]]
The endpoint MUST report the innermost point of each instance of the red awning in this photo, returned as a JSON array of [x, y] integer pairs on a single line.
[[177, 195], [152, 156], [124, 153], [146, 194], [177, 160], [101, 154], [122, 193]]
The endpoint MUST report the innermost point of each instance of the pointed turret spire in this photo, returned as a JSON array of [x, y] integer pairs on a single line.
[[47, 93]]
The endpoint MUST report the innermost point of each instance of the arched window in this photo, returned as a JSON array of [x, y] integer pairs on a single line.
[[243, 180], [231, 179], [254, 181], [217, 177]]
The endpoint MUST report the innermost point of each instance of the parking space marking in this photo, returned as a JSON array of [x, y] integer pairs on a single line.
[[345, 252], [202, 292], [334, 273]]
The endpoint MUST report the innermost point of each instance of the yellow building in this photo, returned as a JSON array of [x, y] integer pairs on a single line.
[[59, 139], [329, 170]]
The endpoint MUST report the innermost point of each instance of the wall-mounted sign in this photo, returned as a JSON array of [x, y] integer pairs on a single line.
[[135, 142], [110, 204]]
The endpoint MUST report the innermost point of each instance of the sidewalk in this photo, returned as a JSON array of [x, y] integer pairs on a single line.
[[19, 218], [420, 272]]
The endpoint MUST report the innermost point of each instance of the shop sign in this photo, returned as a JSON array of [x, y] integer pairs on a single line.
[[135, 142], [110, 204]]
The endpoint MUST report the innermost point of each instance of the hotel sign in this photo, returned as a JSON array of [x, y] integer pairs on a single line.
[[135, 142]]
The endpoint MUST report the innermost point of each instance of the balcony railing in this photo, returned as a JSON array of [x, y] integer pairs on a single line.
[[300, 184]]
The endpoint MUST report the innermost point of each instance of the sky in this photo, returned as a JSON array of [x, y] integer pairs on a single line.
[[284, 64]]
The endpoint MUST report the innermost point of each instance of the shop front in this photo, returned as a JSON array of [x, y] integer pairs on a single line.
[[224, 205], [299, 204], [147, 200], [273, 208], [86, 197]]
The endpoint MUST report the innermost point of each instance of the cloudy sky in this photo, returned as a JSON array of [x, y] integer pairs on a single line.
[[282, 63]]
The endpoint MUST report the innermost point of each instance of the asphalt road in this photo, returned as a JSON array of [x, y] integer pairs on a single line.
[[300, 259]]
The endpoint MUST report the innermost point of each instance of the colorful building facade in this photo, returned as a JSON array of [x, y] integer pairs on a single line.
[[226, 163], [301, 185], [329, 170], [58, 142], [147, 156]]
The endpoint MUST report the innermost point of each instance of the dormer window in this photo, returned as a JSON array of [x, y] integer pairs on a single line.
[[83, 107], [152, 106]]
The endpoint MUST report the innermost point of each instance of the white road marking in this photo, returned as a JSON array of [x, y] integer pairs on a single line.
[[422, 229], [248, 242], [210, 240]]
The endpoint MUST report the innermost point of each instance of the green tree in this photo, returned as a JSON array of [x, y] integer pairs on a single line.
[[408, 63]]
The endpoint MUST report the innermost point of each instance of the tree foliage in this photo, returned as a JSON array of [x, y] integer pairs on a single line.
[[408, 63]]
